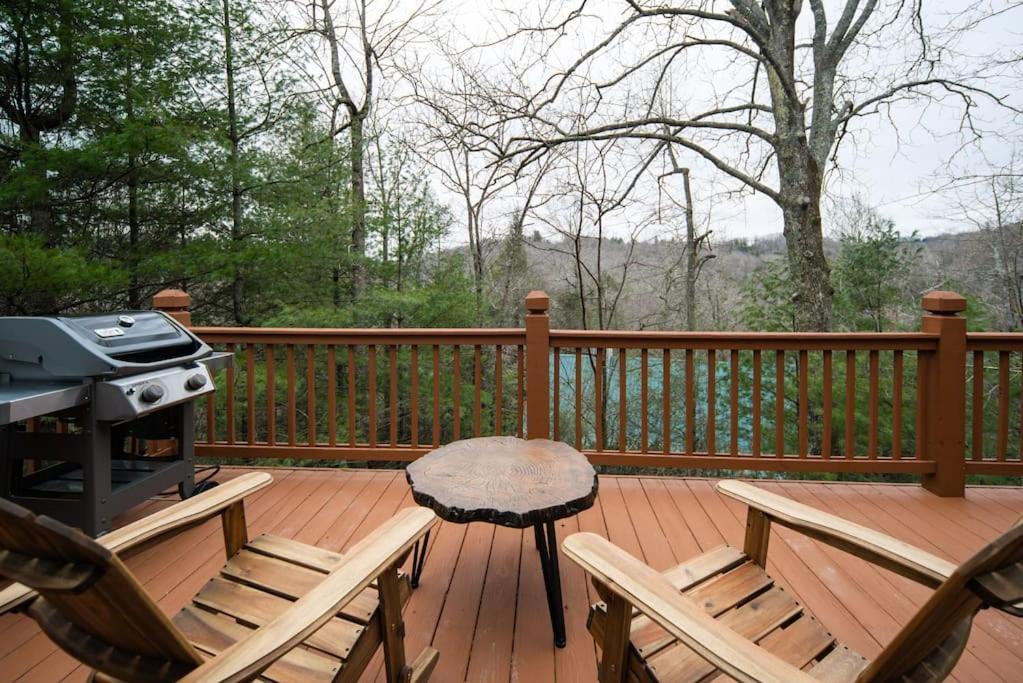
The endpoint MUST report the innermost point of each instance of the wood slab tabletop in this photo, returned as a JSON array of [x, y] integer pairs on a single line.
[[503, 480]]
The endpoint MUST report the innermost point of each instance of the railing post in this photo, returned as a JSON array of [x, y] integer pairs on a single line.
[[538, 344], [945, 402], [175, 303]]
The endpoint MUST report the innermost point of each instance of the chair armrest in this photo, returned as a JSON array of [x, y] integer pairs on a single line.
[[873, 546], [361, 564], [175, 518], [652, 594]]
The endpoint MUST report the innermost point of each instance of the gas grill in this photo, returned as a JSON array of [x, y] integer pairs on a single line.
[[97, 412]]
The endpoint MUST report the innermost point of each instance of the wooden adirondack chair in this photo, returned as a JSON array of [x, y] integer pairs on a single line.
[[279, 609], [721, 613]]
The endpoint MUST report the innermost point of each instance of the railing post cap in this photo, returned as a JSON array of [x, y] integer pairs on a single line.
[[943, 302], [538, 302], [172, 298]]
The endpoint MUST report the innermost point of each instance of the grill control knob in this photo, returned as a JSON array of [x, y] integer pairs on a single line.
[[151, 394], [195, 382]]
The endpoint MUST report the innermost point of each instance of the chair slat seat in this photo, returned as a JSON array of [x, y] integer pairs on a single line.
[[279, 610], [258, 584], [741, 595], [721, 614]]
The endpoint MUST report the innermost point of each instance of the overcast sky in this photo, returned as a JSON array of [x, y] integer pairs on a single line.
[[894, 164]]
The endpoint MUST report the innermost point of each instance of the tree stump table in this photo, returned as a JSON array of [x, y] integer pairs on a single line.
[[511, 482]]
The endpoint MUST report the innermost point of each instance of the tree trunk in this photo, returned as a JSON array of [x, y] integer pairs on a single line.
[[808, 267], [234, 159], [134, 234], [800, 180], [40, 212], [357, 251], [692, 260]]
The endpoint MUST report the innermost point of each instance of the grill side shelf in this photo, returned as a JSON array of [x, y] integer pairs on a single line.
[[25, 400]]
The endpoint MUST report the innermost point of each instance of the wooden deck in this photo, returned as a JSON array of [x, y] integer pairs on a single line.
[[481, 602]]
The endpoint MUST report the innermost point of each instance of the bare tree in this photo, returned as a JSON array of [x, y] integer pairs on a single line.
[[992, 202], [586, 203], [458, 142], [452, 148], [774, 106], [695, 253], [361, 39]]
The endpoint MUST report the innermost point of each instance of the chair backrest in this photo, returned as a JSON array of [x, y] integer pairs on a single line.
[[928, 647], [88, 603]]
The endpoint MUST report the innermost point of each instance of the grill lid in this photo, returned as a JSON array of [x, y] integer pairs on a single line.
[[107, 345]]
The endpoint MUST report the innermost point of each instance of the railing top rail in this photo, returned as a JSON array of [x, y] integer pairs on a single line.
[[797, 341], [332, 335], [994, 341]]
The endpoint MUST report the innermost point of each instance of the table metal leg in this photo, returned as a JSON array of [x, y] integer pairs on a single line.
[[419, 558], [548, 548]]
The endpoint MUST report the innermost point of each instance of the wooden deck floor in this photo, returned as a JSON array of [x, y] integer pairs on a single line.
[[481, 602]]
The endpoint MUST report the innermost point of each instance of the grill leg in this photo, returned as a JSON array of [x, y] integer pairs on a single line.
[[547, 544], [186, 447], [419, 558], [97, 478]]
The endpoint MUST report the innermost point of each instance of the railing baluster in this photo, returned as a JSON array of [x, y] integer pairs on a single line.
[[757, 372], [331, 396], [414, 408], [850, 403], [521, 374], [230, 398], [499, 397], [733, 427], [978, 405], [711, 401], [599, 398], [804, 403], [874, 399], [436, 395], [897, 405], [578, 399], [250, 394], [666, 398], [310, 394], [392, 414], [477, 371], [690, 403], [644, 400], [290, 358], [271, 395], [622, 415], [1002, 443], [828, 400], [919, 439], [352, 428], [371, 394], [556, 395], [456, 392], [779, 404], [1021, 409]]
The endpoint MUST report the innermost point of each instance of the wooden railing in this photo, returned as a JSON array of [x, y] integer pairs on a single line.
[[830, 402], [361, 394]]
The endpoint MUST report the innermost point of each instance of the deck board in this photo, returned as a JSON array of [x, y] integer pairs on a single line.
[[482, 601]]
